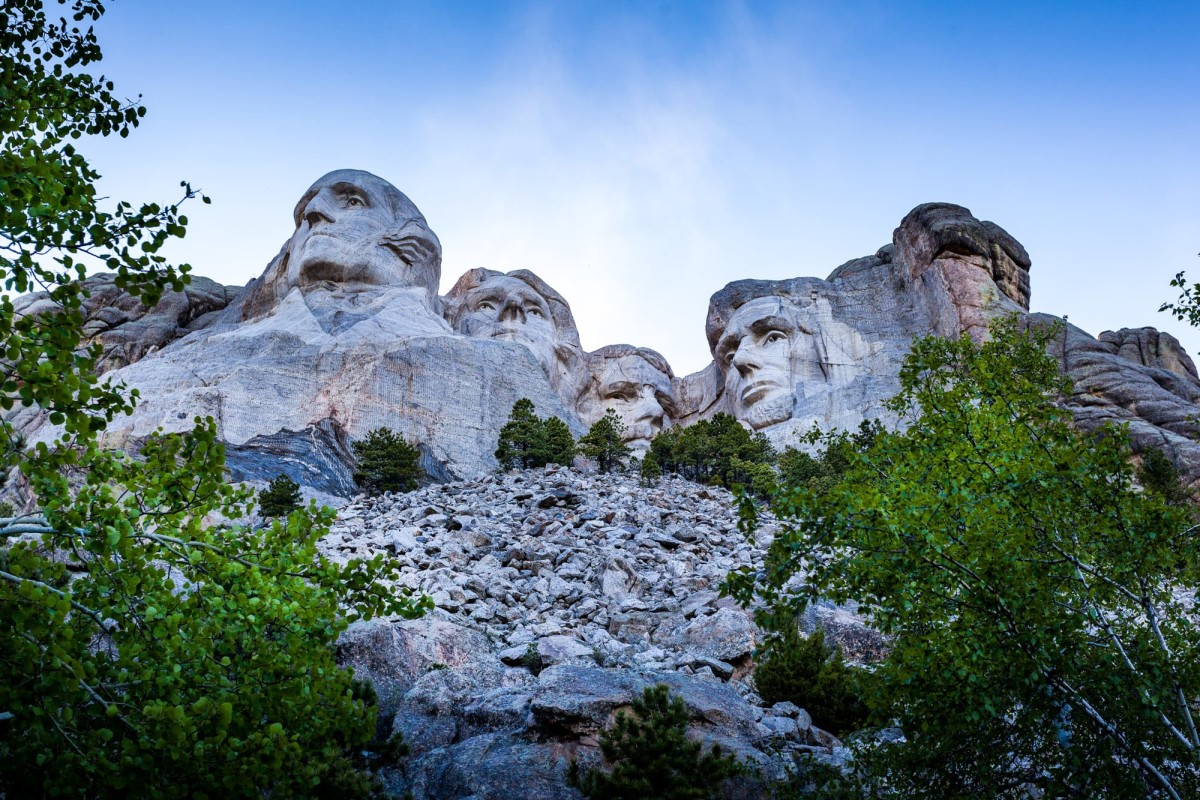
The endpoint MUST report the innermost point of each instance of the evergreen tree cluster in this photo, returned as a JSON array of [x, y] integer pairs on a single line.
[[527, 441], [799, 469], [718, 451]]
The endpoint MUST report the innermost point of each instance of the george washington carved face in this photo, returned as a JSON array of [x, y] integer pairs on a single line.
[[354, 229]]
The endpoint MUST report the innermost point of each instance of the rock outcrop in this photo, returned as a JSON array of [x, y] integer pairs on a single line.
[[128, 331], [560, 596], [344, 332]]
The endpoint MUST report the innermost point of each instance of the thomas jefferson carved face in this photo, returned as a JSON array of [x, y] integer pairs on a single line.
[[508, 308], [355, 229], [757, 353], [638, 390]]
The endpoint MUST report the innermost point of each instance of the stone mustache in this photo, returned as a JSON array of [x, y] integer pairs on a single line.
[[345, 331]]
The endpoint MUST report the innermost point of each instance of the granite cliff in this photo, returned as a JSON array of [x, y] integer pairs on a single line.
[[344, 331]]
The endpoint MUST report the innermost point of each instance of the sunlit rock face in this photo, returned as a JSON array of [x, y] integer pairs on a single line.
[[361, 254], [344, 332], [636, 383]]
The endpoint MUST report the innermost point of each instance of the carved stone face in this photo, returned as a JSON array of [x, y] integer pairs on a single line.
[[757, 353], [640, 393], [355, 229], [507, 308]]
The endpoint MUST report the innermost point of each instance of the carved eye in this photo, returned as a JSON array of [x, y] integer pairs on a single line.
[[775, 336], [485, 305], [534, 311], [352, 201]]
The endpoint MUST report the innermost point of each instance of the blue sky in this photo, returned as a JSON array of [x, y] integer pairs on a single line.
[[638, 156]]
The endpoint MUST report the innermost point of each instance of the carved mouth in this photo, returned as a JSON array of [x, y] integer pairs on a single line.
[[758, 390]]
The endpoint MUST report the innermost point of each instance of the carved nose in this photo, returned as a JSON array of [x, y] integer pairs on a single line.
[[745, 362], [648, 409], [512, 310], [318, 211]]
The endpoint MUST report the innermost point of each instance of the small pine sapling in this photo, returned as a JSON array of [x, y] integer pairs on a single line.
[[652, 757], [280, 498], [604, 442], [650, 470]]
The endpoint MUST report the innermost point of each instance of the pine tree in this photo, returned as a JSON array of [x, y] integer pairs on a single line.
[[280, 498], [803, 671], [527, 442], [560, 444], [386, 463], [604, 442], [651, 472], [522, 439], [652, 757]]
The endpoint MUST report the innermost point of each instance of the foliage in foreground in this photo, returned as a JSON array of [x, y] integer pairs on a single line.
[[799, 469], [651, 756], [604, 442], [717, 450], [1041, 640], [528, 442], [146, 652], [799, 669], [386, 463]]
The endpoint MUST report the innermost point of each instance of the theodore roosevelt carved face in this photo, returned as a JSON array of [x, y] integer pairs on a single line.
[[636, 383], [355, 229]]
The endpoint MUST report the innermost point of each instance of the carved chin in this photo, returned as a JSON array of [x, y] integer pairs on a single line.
[[770, 411]]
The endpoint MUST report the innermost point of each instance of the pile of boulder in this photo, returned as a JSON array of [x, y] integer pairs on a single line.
[[560, 596]]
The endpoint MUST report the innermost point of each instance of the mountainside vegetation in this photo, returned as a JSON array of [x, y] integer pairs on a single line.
[[147, 648], [604, 442], [718, 450], [652, 757], [386, 463], [526, 441], [1038, 600]]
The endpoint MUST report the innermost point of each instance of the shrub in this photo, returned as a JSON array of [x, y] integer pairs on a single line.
[[1158, 475], [803, 671], [652, 757], [280, 498], [386, 463], [604, 442]]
